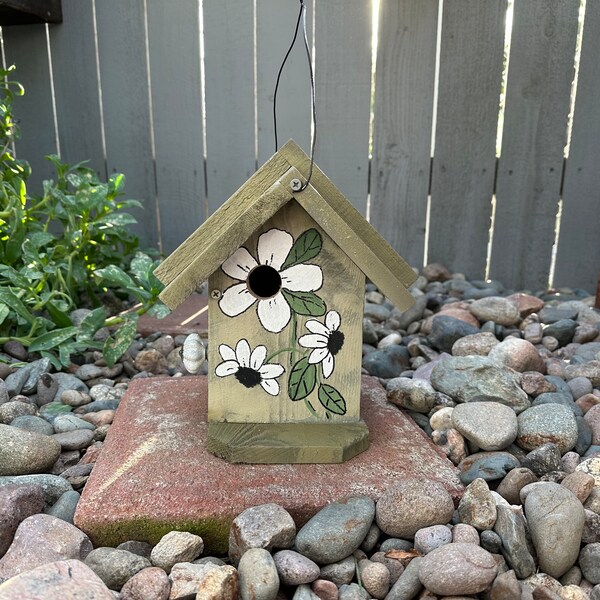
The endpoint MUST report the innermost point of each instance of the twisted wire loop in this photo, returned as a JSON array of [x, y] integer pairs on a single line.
[[301, 20]]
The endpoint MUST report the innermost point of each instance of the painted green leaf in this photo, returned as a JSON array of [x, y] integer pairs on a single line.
[[115, 347], [331, 399], [305, 303], [307, 246], [302, 379], [52, 339]]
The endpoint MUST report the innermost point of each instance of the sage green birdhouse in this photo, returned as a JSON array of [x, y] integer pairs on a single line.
[[286, 274]]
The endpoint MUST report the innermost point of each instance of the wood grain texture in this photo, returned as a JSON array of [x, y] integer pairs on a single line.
[[342, 291], [76, 88], [26, 47], [540, 75], [467, 117], [275, 22], [403, 120], [174, 46], [343, 95], [229, 77], [294, 443], [578, 254], [349, 229], [125, 101]]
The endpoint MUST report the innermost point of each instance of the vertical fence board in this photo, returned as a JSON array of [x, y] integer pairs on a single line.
[[26, 47], [229, 77], [578, 254], [275, 22], [123, 73], [540, 74], [174, 48], [465, 138], [404, 87], [76, 87], [343, 35]]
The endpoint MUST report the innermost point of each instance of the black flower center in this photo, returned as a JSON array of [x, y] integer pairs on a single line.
[[335, 342], [264, 281], [248, 377]]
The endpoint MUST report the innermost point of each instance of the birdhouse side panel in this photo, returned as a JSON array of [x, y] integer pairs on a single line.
[[285, 327]]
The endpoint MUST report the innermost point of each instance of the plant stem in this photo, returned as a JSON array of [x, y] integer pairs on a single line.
[[274, 354]]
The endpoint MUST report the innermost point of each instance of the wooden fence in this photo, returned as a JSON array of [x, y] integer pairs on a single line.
[[179, 95]]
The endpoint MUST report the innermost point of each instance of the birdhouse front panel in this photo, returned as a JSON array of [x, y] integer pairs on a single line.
[[285, 327]]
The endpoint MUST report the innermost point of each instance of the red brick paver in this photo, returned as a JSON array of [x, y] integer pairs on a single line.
[[155, 474]]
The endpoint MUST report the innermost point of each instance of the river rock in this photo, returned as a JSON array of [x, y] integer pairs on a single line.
[[477, 506], [151, 583], [562, 330], [479, 344], [544, 459], [64, 508], [264, 526], [496, 308], [65, 423], [175, 547], [77, 439], [545, 423], [17, 502], [517, 354], [487, 465], [510, 526], [376, 579], [446, 330], [114, 566], [52, 486], [25, 452], [33, 424], [430, 538], [59, 580], [457, 569], [388, 362], [294, 568], [589, 562], [590, 369], [412, 504], [336, 530], [41, 539], [412, 394], [9, 411], [258, 575], [408, 585], [555, 518], [477, 378], [489, 425]]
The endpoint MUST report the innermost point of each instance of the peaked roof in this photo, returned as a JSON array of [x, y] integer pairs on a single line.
[[257, 201]]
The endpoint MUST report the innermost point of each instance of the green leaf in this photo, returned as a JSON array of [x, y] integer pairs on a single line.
[[116, 275], [141, 265], [4, 312], [116, 346], [305, 303], [302, 379], [58, 315], [117, 220], [40, 238], [52, 339], [331, 399], [91, 323], [159, 310], [64, 354], [307, 246], [11, 300], [55, 361]]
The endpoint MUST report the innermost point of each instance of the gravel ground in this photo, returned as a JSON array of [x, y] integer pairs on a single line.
[[505, 383]]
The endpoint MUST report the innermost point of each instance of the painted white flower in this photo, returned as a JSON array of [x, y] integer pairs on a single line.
[[326, 339], [264, 280], [248, 366]]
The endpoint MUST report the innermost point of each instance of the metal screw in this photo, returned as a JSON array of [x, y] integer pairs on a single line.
[[296, 185], [216, 294]]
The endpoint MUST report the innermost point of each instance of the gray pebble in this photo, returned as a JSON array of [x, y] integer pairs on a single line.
[[258, 575], [34, 424], [490, 541], [64, 508], [510, 527], [430, 538], [70, 422], [115, 567], [52, 486], [74, 440], [294, 568], [340, 573], [409, 583], [589, 562]]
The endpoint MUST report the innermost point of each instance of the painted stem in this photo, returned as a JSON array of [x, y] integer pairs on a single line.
[[310, 407]]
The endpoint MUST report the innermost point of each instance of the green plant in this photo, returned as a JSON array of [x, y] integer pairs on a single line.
[[69, 248]]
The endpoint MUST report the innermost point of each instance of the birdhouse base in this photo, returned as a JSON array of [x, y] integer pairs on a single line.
[[292, 443]]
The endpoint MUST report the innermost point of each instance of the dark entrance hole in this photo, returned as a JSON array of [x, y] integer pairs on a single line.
[[264, 281]]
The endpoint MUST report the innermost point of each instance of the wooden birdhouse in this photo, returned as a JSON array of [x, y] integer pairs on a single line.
[[286, 275]]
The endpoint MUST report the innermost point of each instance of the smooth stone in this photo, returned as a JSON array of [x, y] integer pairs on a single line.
[[441, 420], [53, 487], [175, 547], [477, 378], [430, 538], [13, 384], [558, 398], [412, 394], [140, 548], [74, 440], [371, 539], [340, 573], [505, 586], [369, 332], [477, 506], [581, 484], [490, 541], [543, 460], [258, 575], [375, 578], [563, 330], [75, 398], [294, 568], [46, 389], [554, 423], [551, 314], [64, 508], [585, 436], [534, 384], [517, 354], [589, 562], [9, 411], [446, 330], [414, 313], [105, 393], [496, 308], [408, 585], [25, 452], [390, 340], [219, 583], [580, 386], [264, 526], [487, 465], [151, 583], [97, 406], [325, 590], [393, 543], [52, 410], [41, 539], [66, 381], [17, 502], [591, 528], [33, 424], [336, 530], [526, 303], [479, 344], [70, 422], [457, 569], [555, 518], [115, 567], [376, 312], [462, 532], [186, 577], [35, 370], [412, 504], [388, 362], [352, 592], [510, 526], [489, 425], [58, 580]]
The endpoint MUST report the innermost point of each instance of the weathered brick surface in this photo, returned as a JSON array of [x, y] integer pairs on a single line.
[[190, 317], [156, 475]]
